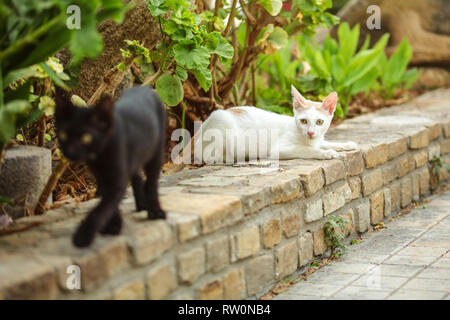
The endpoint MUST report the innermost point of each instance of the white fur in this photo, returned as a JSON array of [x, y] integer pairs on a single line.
[[292, 141]]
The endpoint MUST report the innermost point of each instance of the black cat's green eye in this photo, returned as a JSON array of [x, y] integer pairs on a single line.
[[319, 122], [62, 136], [304, 121], [86, 138]]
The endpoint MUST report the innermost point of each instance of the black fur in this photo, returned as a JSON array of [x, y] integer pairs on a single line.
[[124, 137]]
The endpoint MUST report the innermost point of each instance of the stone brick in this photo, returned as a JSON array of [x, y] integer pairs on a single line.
[[311, 178], [424, 181], [333, 171], [397, 147], [446, 127], [372, 181], [285, 188], [415, 186], [419, 139], [350, 225], [149, 239], [291, 223], [420, 158], [286, 260], [389, 173], [233, 284], [187, 225], [247, 242], [354, 163], [272, 233], [314, 210], [320, 245], [217, 254], [130, 291], [445, 146], [215, 211], [376, 207], [434, 150], [406, 192], [434, 131], [405, 165], [191, 265], [23, 279], [306, 249], [362, 217], [375, 155], [387, 202], [161, 281], [113, 256], [212, 290], [394, 189], [336, 199], [258, 273], [355, 186]]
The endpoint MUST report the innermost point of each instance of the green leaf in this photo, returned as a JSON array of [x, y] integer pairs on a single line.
[[278, 38], [17, 106], [219, 45], [18, 74], [272, 6], [53, 75], [181, 73], [87, 42], [203, 77], [398, 62], [187, 55], [7, 126], [170, 89]]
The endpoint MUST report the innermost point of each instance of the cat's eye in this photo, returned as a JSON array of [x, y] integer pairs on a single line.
[[304, 121], [62, 136], [86, 138], [319, 122]]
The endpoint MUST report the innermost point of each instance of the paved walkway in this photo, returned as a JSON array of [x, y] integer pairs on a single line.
[[410, 259]]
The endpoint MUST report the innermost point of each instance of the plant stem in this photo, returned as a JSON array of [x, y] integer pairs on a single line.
[[30, 38], [151, 80], [2, 154], [50, 185], [230, 19]]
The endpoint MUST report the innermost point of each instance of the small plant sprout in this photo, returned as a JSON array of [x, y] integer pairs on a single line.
[[334, 235]]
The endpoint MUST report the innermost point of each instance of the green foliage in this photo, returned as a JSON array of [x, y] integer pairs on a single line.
[[334, 234], [437, 164], [393, 71], [313, 14], [187, 46], [339, 66], [31, 32]]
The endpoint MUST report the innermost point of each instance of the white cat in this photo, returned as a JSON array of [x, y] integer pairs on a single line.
[[301, 136]]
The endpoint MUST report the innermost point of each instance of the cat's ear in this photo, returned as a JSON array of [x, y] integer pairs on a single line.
[[64, 107], [104, 111], [298, 102], [329, 104]]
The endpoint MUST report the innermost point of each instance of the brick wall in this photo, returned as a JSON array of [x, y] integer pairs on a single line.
[[235, 232]]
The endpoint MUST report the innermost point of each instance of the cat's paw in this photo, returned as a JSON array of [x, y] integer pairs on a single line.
[[84, 236], [113, 227], [156, 214], [330, 154], [348, 146]]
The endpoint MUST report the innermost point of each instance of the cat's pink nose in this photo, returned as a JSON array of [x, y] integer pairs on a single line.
[[310, 134]]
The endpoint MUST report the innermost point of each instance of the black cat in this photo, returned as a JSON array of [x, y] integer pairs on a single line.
[[116, 140]]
